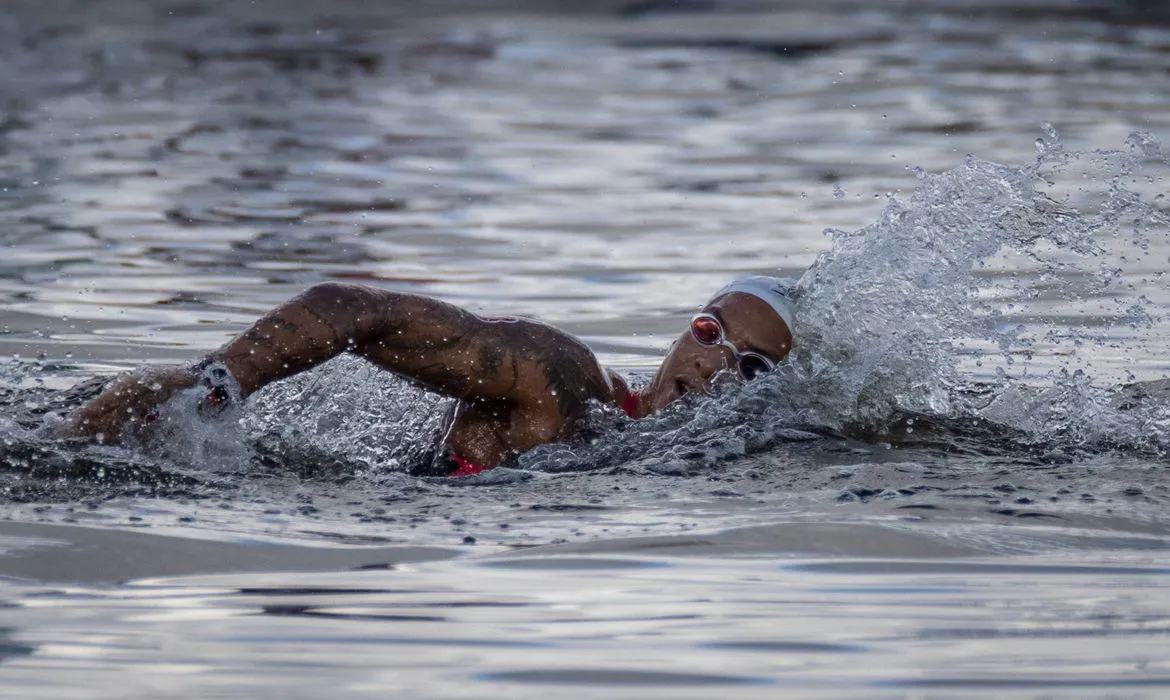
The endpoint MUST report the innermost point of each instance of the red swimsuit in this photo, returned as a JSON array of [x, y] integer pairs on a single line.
[[465, 467]]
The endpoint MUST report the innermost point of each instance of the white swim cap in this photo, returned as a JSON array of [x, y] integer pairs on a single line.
[[777, 291]]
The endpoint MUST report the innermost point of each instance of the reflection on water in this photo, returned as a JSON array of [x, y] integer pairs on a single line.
[[168, 170], [179, 164], [662, 627]]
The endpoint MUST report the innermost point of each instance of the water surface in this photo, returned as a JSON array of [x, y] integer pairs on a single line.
[[953, 491]]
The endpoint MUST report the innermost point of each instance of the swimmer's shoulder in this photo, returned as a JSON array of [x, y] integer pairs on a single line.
[[554, 357]]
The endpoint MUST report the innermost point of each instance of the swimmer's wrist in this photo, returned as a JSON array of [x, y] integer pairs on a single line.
[[221, 385], [196, 369]]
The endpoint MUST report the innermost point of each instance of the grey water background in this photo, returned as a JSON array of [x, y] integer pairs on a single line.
[[955, 489]]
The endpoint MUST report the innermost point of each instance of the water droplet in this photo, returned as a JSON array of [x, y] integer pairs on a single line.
[[838, 191]]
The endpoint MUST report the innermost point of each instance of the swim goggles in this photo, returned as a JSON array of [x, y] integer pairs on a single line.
[[707, 330]]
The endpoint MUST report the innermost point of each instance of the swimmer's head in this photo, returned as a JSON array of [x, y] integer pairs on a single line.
[[744, 330], [775, 291]]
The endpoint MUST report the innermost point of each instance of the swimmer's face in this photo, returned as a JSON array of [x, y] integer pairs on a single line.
[[749, 324]]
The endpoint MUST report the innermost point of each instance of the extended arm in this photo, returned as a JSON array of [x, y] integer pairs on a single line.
[[430, 342], [434, 343]]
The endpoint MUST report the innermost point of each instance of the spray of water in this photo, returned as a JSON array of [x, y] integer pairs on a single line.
[[980, 306], [889, 316], [346, 415]]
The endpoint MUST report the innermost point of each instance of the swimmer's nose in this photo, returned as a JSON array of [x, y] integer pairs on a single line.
[[711, 362]]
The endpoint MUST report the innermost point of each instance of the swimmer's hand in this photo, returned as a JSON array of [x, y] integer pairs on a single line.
[[125, 406]]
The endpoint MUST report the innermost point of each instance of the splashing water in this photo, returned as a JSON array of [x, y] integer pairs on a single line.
[[894, 318], [345, 416], [380, 421], [886, 317]]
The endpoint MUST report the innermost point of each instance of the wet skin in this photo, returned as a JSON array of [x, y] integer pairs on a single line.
[[519, 383]]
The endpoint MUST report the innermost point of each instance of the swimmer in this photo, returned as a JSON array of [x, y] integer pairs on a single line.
[[517, 383]]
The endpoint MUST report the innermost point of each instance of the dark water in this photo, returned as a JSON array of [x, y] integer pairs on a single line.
[[955, 489]]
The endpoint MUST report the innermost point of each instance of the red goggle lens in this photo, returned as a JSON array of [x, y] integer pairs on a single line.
[[707, 330]]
